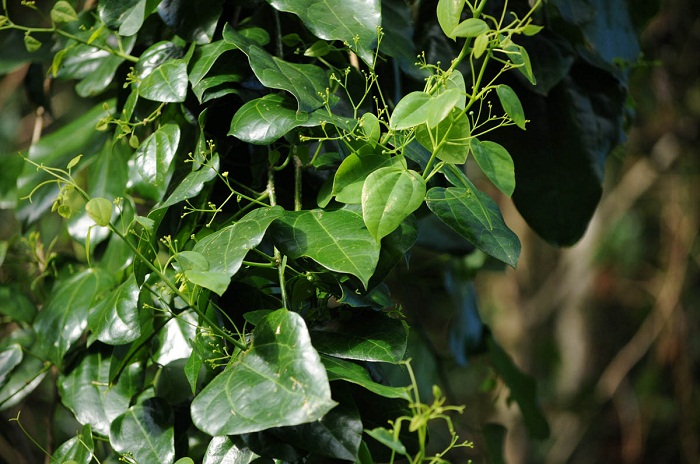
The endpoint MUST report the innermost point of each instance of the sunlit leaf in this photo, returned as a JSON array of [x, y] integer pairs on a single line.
[[470, 27], [411, 111], [10, 358], [226, 248], [389, 195], [448, 15], [151, 166], [337, 240], [339, 369], [221, 450], [279, 381], [167, 83], [450, 140], [99, 210], [354, 22], [63, 12], [352, 172]]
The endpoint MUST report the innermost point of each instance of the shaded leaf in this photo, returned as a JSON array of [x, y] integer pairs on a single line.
[[24, 380], [354, 22], [337, 240], [192, 184], [369, 336], [151, 166], [279, 381], [10, 358], [226, 248], [117, 319], [193, 21], [495, 161], [78, 449], [511, 105], [305, 81], [386, 438], [145, 431], [388, 197], [127, 16], [522, 390], [64, 318], [87, 392], [473, 215], [339, 369]]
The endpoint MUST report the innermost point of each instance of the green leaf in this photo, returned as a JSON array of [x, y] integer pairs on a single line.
[[451, 138], [473, 215], [117, 319], [448, 14], [441, 105], [204, 58], [151, 166], [266, 119], [16, 305], [523, 390], [411, 111], [348, 21], [470, 27], [221, 450], [481, 43], [279, 381], [226, 248], [368, 336], [193, 21], [340, 369], [511, 105], [31, 43], [352, 172], [496, 163], [167, 83], [78, 450], [145, 431], [24, 380], [371, 127], [192, 184], [87, 392], [389, 195], [64, 317], [386, 438], [175, 339], [63, 12], [127, 16], [10, 358], [519, 56], [337, 240], [99, 210], [305, 81]]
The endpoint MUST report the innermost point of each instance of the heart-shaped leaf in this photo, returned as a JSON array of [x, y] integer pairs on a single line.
[[389, 195], [337, 240], [279, 381]]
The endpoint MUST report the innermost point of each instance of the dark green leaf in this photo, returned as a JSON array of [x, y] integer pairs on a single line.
[[386, 438], [151, 167], [226, 248], [16, 305], [398, 28], [204, 58], [473, 215], [78, 449], [354, 22], [494, 436], [369, 336], [389, 195], [496, 163], [64, 318], [117, 319], [126, 15], [87, 392], [10, 358], [522, 390], [305, 81], [192, 184], [337, 240], [221, 450], [511, 105], [24, 380], [167, 83], [145, 431], [339, 369], [193, 21], [264, 120], [279, 381]]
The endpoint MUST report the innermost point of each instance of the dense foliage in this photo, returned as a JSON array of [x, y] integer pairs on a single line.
[[236, 184]]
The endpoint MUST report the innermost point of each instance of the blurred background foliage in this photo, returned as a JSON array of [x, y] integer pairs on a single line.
[[607, 327]]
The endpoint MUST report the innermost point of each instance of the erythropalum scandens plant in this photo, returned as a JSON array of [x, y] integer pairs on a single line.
[[245, 186]]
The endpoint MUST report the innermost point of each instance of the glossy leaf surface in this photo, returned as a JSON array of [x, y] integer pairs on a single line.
[[472, 214], [78, 449], [346, 21], [117, 320], [337, 240], [340, 369], [281, 364], [167, 83], [145, 431], [151, 167]]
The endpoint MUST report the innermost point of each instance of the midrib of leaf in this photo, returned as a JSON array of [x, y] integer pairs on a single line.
[[150, 443], [172, 89], [337, 244]]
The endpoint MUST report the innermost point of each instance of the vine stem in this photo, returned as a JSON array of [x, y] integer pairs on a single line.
[[280, 260]]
